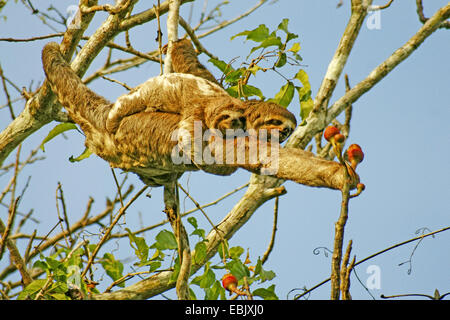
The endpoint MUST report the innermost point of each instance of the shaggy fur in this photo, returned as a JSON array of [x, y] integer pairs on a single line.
[[136, 133]]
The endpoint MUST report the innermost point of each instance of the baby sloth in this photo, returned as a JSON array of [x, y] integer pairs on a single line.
[[258, 114]]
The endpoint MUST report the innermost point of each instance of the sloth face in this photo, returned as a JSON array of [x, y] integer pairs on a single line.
[[275, 126], [230, 119], [274, 119]]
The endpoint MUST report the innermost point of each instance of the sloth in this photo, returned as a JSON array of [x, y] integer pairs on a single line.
[[141, 140], [258, 114], [193, 93]]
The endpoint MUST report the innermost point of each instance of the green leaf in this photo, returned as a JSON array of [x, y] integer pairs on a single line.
[[304, 93], [236, 252], [57, 130], [199, 232], [284, 26], [223, 250], [192, 294], [200, 252], [193, 222], [40, 265], [221, 65], [53, 264], [246, 91], [176, 271], [215, 291], [207, 279], [233, 76], [295, 47], [154, 265], [282, 59], [165, 240], [268, 42], [285, 95], [254, 69], [257, 35], [31, 289], [113, 268], [305, 106], [303, 77], [263, 274], [139, 245], [86, 153], [238, 269], [266, 294], [59, 296]]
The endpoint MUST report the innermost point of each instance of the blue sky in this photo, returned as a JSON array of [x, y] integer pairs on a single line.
[[401, 124]]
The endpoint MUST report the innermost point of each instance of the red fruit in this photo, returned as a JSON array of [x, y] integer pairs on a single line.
[[355, 155], [330, 132], [229, 282], [339, 138]]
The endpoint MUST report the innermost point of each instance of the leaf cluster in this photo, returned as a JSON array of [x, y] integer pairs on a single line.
[[275, 50]]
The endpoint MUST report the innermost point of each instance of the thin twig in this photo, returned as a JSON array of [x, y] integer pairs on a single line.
[[16, 258], [5, 234], [109, 229], [8, 98], [274, 231], [122, 235], [118, 82], [228, 22], [423, 19], [64, 209], [374, 255], [48, 36], [159, 37], [381, 7], [338, 241]]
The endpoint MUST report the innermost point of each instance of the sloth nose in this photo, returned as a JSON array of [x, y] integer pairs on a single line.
[[238, 123]]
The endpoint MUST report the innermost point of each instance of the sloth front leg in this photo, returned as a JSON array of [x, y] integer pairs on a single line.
[[293, 164]]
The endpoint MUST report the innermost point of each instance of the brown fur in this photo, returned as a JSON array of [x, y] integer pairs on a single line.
[[259, 114], [184, 60], [142, 142]]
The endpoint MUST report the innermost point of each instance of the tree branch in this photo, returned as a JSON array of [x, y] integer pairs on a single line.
[[389, 64], [317, 121], [257, 193], [423, 19], [172, 32], [40, 108], [359, 13]]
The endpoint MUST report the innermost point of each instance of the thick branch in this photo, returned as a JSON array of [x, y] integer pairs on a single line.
[[40, 108], [389, 64], [258, 193], [317, 121], [172, 32], [171, 200], [359, 13]]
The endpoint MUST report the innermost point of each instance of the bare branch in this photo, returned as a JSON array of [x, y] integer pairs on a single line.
[[381, 7], [359, 13], [228, 22], [109, 229], [389, 64], [172, 210], [172, 32], [53, 35], [257, 193], [17, 259], [274, 232], [423, 19]]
